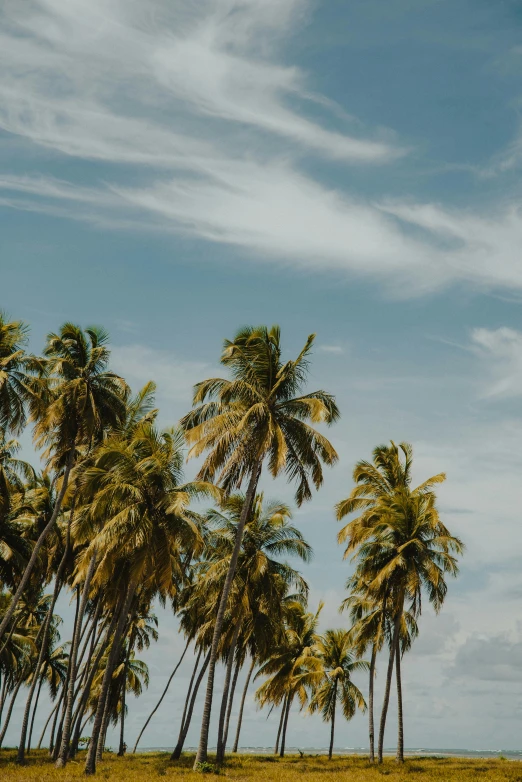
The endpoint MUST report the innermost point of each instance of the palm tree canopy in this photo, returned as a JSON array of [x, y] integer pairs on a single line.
[[13, 379], [261, 412], [338, 663]]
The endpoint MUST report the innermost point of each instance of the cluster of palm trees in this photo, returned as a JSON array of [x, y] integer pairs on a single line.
[[112, 522]]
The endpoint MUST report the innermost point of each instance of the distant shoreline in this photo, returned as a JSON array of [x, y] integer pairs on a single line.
[[511, 754]]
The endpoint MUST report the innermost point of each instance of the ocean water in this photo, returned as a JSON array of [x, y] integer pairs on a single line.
[[441, 752]]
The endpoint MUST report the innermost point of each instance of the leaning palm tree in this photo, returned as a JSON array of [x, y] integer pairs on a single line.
[[338, 663], [74, 399], [259, 414]]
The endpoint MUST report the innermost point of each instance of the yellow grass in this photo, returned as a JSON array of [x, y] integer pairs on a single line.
[[142, 768]]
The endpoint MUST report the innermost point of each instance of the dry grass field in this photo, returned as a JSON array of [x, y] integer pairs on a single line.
[[142, 768]]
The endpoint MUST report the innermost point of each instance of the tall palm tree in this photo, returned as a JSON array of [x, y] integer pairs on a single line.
[[13, 374], [259, 414], [74, 399], [338, 663]]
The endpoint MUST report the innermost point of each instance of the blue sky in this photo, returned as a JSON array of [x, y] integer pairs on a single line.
[[174, 170]]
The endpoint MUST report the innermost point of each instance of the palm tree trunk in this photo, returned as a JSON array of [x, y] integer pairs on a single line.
[[370, 704], [156, 707], [121, 749], [191, 684], [67, 725], [10, 711], [201, 755], [176, 754], [389, 676], [398, 675], [88, 682], [332, 731], [285, 725], [44, 642], [220, 751], [55, 721], [231, 702], [242, 706], [38, 545], [58, 744], [90, 763], [5, 685], [46, 725], [104, 727], [280, 728], [42, 677]]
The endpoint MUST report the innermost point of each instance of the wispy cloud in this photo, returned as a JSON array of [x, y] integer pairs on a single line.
[[193, 122], [331, 348], [501, 351]]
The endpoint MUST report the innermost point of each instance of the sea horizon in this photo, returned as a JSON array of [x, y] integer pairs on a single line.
[[457, 752]]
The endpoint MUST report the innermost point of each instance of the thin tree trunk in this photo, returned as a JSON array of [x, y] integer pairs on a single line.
[[176, 754], [42, 677], [9, 712], [389, 676], [121, 749], [46, 725], [45, 642], [5, 688], [332, 732], [370, 704], [53, 729], [104, 726], [280, 728], [189, 692], [230, 703], [67, 724], [400, 738], [90, 763], [38, 545], [58, 744], [220, 751], [201, 755], [242, 706], [156, 707], [285, 725], [90, 677]]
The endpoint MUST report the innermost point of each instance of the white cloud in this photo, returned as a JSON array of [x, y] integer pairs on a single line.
[[331, 348], [501, 352], [174, 377]]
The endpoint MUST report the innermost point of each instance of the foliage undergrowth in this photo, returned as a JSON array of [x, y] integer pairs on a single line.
[[150, 766]]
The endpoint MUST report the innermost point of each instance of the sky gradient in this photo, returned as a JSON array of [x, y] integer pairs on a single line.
[[174, 170]]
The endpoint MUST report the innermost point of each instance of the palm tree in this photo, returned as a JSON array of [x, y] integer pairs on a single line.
[[258, 414], [400, 544], [293, 666], [13, 377], [255, 600], [74, 399], [336, 652], [136, 518]]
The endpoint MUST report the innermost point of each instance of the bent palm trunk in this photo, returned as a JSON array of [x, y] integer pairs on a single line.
[[280, 728], [156, 707], [285, 725], [176, 754], [90, 763], [231, 703], [201, 755], [67, 723], [242, 706], [34, 713], [9, 712], [220, 753]]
